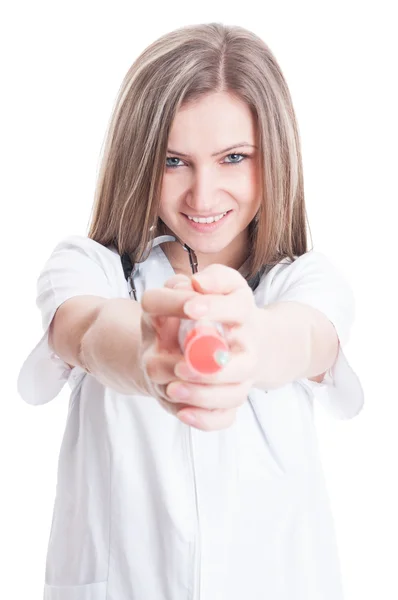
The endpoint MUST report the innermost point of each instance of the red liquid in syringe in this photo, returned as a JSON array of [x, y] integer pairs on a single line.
[[199, 341]]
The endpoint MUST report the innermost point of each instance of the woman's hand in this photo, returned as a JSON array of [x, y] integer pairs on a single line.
[[219, 293], [162, 309]]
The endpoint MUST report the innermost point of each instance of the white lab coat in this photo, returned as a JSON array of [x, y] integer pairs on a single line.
[[148, 508]]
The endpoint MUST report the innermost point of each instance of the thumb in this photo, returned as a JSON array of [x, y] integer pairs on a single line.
[[179, 281], [218, 279]]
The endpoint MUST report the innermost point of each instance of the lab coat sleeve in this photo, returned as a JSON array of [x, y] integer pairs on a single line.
[[312, 279], [75, 268]]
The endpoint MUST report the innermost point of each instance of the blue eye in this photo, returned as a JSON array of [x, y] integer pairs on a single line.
[[233, 162], [171, 158], [237, 163]]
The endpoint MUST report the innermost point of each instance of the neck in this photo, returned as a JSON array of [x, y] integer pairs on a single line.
[[235, 255]]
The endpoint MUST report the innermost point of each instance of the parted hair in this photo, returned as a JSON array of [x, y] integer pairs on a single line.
[[178, 68]]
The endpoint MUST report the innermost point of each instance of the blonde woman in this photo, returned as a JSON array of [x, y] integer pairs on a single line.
[[171, 484]]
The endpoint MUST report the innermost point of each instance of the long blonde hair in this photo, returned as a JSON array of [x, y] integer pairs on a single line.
[[180, 67]]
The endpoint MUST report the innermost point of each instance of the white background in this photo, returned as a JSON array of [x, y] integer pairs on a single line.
[[62, 65]]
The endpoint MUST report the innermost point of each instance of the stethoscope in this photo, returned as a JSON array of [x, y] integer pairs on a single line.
[[130, 269]]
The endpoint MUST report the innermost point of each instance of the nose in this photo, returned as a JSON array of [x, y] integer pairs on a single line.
[[202, 195]]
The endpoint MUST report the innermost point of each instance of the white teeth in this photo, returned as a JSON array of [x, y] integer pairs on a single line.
[[208, 219]]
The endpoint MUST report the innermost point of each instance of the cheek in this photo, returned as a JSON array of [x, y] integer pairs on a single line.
[[246, 184], [171, 190], [166, 194], [246, 192], [169, 210]]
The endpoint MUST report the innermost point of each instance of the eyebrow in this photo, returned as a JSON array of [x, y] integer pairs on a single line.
[[215, 153]]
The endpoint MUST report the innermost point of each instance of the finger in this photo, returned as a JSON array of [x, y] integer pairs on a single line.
[[231, 309], [160, 332], [208, 396], [160, 367], [148, 330], [179, 281], [218, 279], [239, 367], [207, 420], [166, 302], [158, 391], [171, 408]]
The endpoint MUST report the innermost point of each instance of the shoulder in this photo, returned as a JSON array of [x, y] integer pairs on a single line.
[[75, 247], [85, 245], [311, 279], [78, 260], [310, 273], [311, 260]]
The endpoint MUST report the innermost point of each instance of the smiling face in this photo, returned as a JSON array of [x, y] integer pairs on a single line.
[[210, 190]]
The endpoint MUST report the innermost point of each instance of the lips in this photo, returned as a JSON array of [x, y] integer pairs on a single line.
[[208, 227], [209, 218]]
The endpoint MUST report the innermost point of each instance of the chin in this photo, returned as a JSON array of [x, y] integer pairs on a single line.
[[207, 246]]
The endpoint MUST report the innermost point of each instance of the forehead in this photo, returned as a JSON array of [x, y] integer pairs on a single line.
[[220, 118]]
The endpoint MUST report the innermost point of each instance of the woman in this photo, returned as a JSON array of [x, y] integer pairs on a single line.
[[174, 484]]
